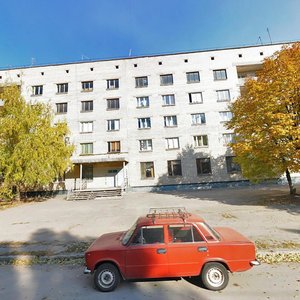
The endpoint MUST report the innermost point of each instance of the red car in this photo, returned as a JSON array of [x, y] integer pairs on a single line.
[[168, 243]]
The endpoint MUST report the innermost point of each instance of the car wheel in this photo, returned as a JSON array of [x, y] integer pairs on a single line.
[[107, 277], [214, 276]]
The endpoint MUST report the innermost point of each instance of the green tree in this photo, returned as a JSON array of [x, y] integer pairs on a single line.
[[266, 119], [33, 151]]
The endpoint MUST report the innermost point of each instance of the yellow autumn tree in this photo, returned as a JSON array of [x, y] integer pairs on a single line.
[[266, 119], [33, 151]]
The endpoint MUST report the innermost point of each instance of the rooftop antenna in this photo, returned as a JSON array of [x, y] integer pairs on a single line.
[[33, 61], [259, 40], [129, 54], [83, 57], [269, 35]]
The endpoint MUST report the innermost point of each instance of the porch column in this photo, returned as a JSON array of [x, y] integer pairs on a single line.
[[80, 181], [124, 176]]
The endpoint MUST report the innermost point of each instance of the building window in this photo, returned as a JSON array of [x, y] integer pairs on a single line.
[[61, 108], [144, 123], [232, 166], [112, 84], [192, 77], [147, 169], [203, 166], [141, 82], [87, 86], [220, 74], [87, 172], [37, 90], [142, 101], [200, 141], [87, 106], [195, 98], [228, 138], [223, 95], [225, 116], [168, 99], [114, 147], [145, 145], [172, 143], [198, 119], [113, 104], [166, 79], [86, 127], [62, 88], [170, 121], [174, 168], [86, 148], [113, 125]]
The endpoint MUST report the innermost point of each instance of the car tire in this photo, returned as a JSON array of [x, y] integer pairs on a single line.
[[107, 277], [214, 276]]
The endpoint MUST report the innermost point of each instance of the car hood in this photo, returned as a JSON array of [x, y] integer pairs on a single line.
[[230, 235], [108, 240]]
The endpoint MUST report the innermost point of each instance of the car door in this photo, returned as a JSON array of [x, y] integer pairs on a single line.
[[186, 250], [146, 255]]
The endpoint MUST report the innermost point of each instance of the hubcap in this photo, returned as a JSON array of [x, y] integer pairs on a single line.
[[106, 278], [215, 277]]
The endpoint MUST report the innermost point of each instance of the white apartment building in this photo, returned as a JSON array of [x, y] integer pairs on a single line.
[[151, 121]]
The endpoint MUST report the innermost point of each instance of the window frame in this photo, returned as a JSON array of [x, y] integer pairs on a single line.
[[195, 119], [146, 119], [170, 145], [82, 127], [148, 143], [218, 74], [168, 100], [87, 146], [172, 164], [190, 78], [164, 79], [37, 90], [191, 98], [87, 104], [114, 147], [231, 166], [141, 81], [152, 170], [87, 86], [111, 125], [112, 84], [221, 93], [201, 168], [62, 88], [167, 121], [64, 110], [113, 107], [142, 99], [199, 141]]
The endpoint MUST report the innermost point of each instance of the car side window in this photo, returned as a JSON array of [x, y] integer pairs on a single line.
[[149, 235], [183, 234]]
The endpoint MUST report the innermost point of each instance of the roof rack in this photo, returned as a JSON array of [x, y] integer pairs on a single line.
[[168, 212]]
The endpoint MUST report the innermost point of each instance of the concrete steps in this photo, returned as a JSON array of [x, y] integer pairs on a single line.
[[94, 194]]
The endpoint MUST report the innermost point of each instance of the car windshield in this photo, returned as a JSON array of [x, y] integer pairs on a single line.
[[128, 234]]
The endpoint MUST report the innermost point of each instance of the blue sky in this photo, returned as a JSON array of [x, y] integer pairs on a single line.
[[53, 31]]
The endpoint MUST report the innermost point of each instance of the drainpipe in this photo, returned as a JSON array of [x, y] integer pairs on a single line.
[[80, 181]]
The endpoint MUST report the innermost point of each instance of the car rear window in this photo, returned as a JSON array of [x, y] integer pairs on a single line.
[[183, 234]]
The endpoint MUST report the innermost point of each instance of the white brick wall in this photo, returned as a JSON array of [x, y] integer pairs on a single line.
[[129, 134]]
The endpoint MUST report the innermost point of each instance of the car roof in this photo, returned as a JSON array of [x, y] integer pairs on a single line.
[[149, 219]]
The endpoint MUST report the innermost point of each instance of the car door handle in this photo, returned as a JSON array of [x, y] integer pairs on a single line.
[[202, 249], [161, 251]]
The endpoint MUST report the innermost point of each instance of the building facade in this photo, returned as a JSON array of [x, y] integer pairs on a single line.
[[146, 121]]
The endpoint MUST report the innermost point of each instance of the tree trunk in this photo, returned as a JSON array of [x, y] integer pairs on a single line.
[[289, 180]]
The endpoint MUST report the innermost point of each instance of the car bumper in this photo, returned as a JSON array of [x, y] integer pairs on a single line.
[[87, 271], [254, 263]]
